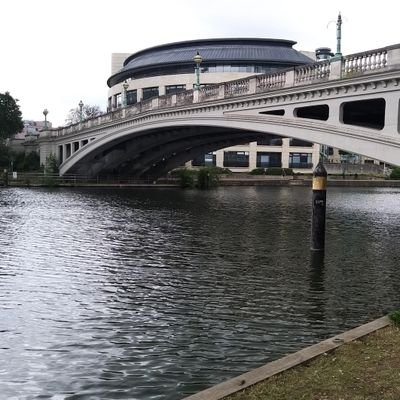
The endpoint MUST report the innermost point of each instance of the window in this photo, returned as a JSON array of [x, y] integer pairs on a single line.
[[269, 159], [300, 160], [117, 100], [172, 89], [300, 143], [131, 97], [270, 140], [150, 92], [205, 160], [236, 158]]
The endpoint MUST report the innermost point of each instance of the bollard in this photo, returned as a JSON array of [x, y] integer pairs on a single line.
[[5, 177], [318, 208]]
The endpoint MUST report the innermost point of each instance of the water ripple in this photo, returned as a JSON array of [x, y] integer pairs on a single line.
[[156, 294]]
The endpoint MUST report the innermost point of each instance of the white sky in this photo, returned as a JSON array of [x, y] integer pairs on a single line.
[[56, 52]]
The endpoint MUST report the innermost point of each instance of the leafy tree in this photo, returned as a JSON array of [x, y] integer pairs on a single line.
[[51, 164], [4, 156], [26, 161], [88, 111], [10, 116], [395, 174]]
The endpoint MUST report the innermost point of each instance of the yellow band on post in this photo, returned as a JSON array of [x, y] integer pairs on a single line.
[[319, 183]]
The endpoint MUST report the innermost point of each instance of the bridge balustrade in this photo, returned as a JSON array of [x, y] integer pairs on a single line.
[[184, 98], [271, 81], [364, 62], [238, 87], [209, 92], [313, 72]]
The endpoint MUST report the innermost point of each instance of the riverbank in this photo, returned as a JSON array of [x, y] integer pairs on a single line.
[[362, 363], [35, 180], [368, 368]]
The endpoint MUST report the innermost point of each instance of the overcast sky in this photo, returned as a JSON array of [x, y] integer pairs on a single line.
[[55, 53]]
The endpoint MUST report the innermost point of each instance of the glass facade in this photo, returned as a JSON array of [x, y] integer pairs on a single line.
[[269, 159], [150, 92], [172, 89], [236, 159], [300, 160], [206, 160], [206, 68], [131, 97], [117, 100]]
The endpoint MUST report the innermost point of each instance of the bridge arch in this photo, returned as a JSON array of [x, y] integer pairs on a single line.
[[152, 147]]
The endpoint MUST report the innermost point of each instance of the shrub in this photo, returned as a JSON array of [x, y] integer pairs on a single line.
[[288, 171], [395, 174], [395, 317], [186, 178], [221, 171], [257, 171], [274, 171], [207, 178]]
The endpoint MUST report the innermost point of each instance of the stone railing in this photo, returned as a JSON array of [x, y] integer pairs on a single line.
[[364, 62], [312, 72], [238, 87], [270, 81], [210, 92], [184, 98], [336, 68]]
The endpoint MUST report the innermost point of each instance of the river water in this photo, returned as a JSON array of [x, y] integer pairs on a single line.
[[159, 293]]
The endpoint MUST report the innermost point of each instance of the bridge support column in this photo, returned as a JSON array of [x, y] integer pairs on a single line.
[[252, 156], [392, 116], [285, 153], [219, 158], [318, 208]]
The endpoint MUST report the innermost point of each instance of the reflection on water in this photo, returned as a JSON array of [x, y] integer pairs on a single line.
[[156, 294]]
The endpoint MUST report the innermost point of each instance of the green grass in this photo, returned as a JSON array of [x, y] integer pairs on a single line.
[[367, 369]]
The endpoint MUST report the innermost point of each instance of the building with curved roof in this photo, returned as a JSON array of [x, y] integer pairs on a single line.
[[219, 55], [169, 69]]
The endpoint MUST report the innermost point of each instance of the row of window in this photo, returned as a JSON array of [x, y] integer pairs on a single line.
[[206, 68], [264, 159]]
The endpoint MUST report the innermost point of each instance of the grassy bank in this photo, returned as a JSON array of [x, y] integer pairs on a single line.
[[367, 369]]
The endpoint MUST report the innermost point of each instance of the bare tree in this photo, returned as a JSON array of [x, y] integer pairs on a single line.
[[77, 114]]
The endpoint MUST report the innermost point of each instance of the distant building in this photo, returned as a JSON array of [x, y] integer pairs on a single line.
[[24, 141]]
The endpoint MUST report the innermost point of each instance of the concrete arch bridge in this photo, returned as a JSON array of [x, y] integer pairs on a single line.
[[351, 103]]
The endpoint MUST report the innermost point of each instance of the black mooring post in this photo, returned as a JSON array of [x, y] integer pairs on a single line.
[[5, 177], [318, 208]]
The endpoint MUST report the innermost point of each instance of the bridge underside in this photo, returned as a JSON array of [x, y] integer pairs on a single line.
[[152, 153]]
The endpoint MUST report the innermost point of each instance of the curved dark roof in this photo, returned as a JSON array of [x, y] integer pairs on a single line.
[[277, 52]]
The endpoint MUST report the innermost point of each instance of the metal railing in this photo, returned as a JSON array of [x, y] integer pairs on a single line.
[[46, 179]]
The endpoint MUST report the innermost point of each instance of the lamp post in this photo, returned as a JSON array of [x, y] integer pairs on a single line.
[[45, 112], [80, 110], [197, 59], [125, 86], [338, 36]]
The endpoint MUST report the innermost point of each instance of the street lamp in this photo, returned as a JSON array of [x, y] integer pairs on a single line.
[[124, 99], [197, 59], [338, 36], [45, 112], [80, 110]]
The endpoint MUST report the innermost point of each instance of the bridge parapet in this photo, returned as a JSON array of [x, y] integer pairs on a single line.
[[365, 62]]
